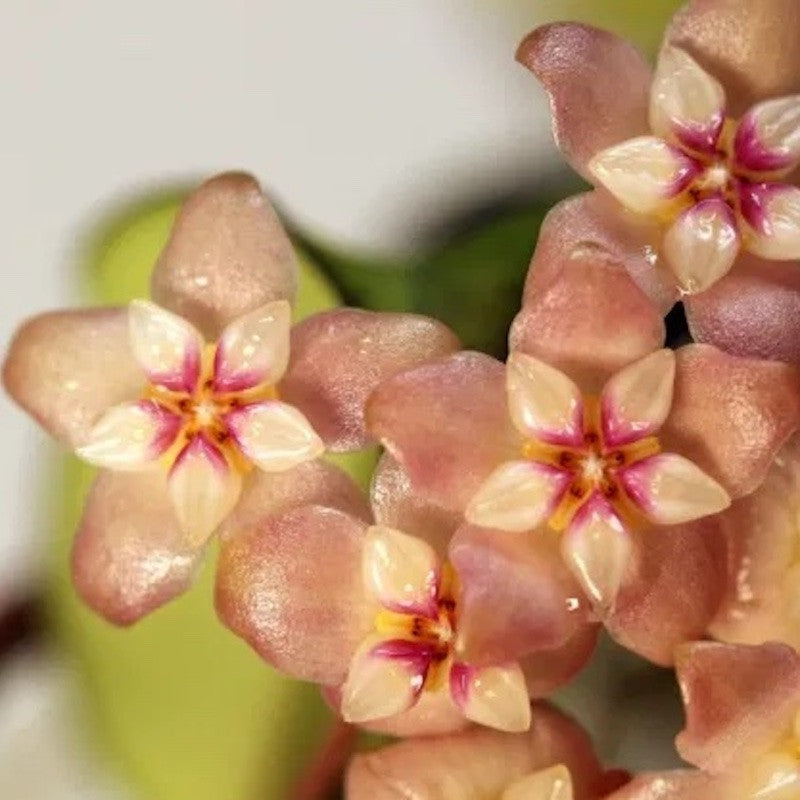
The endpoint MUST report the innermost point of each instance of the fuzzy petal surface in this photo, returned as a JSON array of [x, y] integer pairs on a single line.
[[339, 357], [582, 312], [66, 368], [517, 594], [130, 555], [579, 67], [227, 254], [738, 699], [730, 415], [672, 590], [753, 311], [751, 48], [447, 424], [290, 585], [396, 504], [478, 763]]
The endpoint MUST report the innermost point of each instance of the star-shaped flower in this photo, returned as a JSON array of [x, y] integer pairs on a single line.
[[695, 163], [192, 403]]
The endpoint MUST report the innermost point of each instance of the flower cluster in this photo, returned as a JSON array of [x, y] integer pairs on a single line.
[[595, 479]]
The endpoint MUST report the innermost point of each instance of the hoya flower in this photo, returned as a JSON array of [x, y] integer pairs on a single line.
[[762, 601], [742, 718], [370, 606], [187, 401], [593, 439], [552, 761], [695, 162]]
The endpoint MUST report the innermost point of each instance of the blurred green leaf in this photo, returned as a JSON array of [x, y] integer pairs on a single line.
[[182, 707]]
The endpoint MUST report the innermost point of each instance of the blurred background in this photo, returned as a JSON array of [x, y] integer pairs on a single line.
[[412, 160]]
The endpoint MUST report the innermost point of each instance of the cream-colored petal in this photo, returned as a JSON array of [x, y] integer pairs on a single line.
[[644, 174], [401, 571], [254, 349], [495, 696], [597, 549], [686, 103], [168, 348], [517, 496], [554, 783], [701, 245], [636, 401], [130, 436], [543, 402], [774, 776], [768, 137], [772, 211], [670, 489], [274, 436], [203, 489], [385, 678]]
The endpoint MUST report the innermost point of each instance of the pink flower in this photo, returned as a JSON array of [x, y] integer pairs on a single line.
[[742, 718], [762, 598], [594, 441], [371, 606], [695, 163], [190, 404], [553, 761]]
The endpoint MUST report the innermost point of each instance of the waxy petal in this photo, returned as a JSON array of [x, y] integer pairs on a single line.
[[578, 66], [753, 311], [731, 415], [673, 589], [554, 783], [254, 349], [738, 700], [762, 602], [644, 174], [228, 254], [637, 400], [274, 436], [447, 424], [687, 104], [517, 496], [339, 357], [543, 402], [130, 436], [290, 585], [702, 244], [401, 572], [130, 556], [772, 211], [768, 136], [478, 763], [167, 347], [203, 487], [495, 696], [66, 368], [517, 595], [582, 311], [397, 505], [673, 785], [598, 549], [385, 679], [670, 489], [774, 776], [751, 47]]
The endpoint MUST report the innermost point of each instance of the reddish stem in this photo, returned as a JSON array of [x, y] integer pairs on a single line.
[[325, 771]]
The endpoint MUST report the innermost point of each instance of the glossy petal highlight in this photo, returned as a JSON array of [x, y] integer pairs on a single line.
[[167, 347], [254, 349], [637, 400], [768, 136], [772, 211], [274, 436]]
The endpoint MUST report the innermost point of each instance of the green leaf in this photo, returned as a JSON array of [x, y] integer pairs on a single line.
[[182, 707]]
